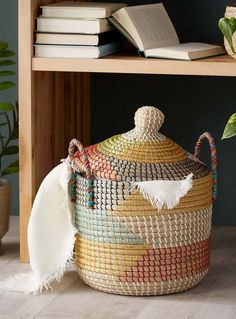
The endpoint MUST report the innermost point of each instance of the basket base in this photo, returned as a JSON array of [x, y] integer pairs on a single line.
[[109, 285]]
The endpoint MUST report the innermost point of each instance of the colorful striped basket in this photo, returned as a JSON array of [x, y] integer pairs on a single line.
[[125, 245]]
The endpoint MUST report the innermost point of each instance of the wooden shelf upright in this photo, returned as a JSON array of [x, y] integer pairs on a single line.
[[54, 100], [54, 108]]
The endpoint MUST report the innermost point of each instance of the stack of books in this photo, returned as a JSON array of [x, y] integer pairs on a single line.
[[73, 29]]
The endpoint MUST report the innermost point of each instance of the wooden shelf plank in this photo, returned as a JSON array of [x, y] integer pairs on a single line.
[[216, 66], [48, 121]]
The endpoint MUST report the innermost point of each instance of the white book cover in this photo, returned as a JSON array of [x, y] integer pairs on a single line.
[[73, 51], [77, 9], [72, 25]]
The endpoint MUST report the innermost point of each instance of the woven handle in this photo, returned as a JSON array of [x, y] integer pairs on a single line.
[[198, 147], [79, 160]]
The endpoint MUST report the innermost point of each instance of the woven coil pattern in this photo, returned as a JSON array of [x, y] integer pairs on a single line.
[[124, 245], [80, 161]]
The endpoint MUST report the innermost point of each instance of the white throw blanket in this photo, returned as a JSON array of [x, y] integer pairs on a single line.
[[51, 234], [51, 231]]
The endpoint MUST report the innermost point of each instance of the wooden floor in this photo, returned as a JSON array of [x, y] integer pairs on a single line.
[[214, 298]]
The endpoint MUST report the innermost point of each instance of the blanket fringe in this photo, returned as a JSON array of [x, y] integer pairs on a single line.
[[41, 279]]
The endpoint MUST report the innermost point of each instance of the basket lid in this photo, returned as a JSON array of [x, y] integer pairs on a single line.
[[143, 153]]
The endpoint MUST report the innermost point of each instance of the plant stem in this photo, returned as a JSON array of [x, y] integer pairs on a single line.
[[2, 147], [9, 129], [9, 126]]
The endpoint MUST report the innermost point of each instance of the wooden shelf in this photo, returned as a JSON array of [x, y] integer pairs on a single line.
[[216, 66]]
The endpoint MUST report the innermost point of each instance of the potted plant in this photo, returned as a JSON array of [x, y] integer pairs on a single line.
[[227, 26], [8, 135]]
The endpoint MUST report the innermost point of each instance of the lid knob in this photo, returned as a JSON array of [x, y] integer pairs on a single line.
[[148, 119]]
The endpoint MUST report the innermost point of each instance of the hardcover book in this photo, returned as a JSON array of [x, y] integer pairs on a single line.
[[150, 29], [73, 25], [77, 39], [77, 9], [75, 51]]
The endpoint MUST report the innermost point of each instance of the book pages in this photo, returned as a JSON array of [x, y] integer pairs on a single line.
[[149, 25]]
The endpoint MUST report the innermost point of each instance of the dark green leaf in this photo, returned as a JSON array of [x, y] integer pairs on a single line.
[[7, 62], [10, 150], [7, 73], [17, 111], [6, 85], [3, 46], [7, 54], [6, 107], [12, 168], [230, 128], [228, 27], [232, 22], [14, 164]]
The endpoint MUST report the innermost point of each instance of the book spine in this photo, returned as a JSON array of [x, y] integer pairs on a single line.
[[74, 13], [73, 26]]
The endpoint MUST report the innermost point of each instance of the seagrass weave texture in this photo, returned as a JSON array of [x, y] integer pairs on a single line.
[[124, 245]]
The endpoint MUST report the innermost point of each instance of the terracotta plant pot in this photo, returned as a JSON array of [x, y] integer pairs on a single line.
[[230, 12], [5, 194]]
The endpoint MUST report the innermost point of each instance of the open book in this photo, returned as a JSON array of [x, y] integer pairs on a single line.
[[150, 29]]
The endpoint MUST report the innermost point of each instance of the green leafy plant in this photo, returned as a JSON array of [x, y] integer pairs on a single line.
[[228, 27], [8, 113], [230, 128]]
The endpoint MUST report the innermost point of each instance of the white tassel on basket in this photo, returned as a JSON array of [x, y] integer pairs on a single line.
[[164, 193]]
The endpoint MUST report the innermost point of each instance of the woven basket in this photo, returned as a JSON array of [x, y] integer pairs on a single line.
[[124, 245]]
